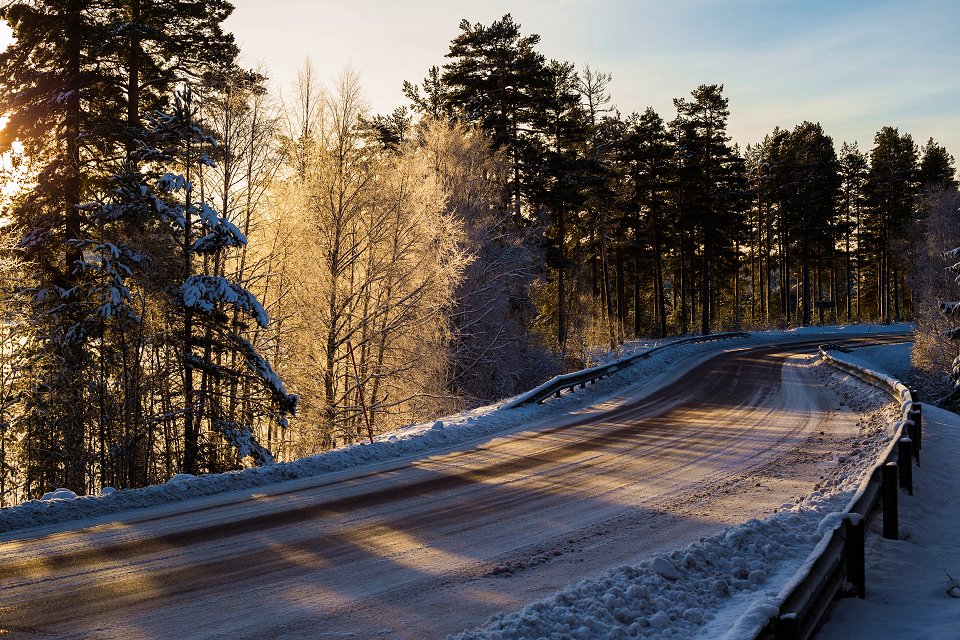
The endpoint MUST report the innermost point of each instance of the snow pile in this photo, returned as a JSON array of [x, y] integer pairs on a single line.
[[675, 595], [415, 440], [59, 494]]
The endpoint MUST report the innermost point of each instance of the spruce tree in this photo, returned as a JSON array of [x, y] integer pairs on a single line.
[[60, 102]]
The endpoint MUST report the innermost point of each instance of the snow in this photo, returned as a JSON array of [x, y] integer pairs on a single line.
[[59, 494], [912, 582], [409, 442], [725, 585]]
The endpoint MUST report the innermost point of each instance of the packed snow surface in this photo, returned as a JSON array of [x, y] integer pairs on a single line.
[[413, 441], [720, 586], [725, 586]]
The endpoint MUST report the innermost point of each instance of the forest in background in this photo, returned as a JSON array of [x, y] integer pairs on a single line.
[[199, 275]]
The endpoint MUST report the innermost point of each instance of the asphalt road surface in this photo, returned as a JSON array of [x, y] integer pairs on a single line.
[[425, 547]]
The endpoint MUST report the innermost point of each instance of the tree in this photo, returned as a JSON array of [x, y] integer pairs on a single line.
[[492, 351], [712, 189], [495, 78], [937, 168], [82, 82], [49, 81], [376, 258], [935, 349], [808, 189], [853, 178], [648, 154], [891, 189]]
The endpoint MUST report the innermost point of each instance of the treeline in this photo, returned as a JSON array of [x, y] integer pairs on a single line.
[[652, 227], [181, 247]]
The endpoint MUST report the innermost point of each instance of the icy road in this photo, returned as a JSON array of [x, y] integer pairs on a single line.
[[423, 547]]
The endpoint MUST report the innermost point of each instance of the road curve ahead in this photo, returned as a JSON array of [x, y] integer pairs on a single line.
[[425, 548]]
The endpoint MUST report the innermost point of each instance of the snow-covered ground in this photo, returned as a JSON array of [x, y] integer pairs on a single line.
[[405, 443], [913, 584]]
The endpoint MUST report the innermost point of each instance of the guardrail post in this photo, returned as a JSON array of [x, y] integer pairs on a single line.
[[891, 525], [913, 432], [856, 553], [787, 627], [917, 416], [904, 453]]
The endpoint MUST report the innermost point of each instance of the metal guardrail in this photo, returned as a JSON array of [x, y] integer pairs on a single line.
[[836, 567], [569, 381]]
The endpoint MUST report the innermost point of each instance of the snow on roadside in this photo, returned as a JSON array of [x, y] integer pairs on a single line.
[[913, 584], [409, 441]]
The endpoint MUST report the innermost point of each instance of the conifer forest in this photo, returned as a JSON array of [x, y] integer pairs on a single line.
[[201, 272]]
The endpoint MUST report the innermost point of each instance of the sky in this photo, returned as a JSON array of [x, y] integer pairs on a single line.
[[851, 65]]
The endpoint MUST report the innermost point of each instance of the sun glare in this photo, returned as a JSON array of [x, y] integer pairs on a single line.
[[6, 35]]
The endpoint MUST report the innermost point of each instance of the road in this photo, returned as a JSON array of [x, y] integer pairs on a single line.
[[423, 548]]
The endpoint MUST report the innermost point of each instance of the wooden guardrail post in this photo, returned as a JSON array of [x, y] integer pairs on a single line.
[[855, 549], [904, 453], [891, 525]]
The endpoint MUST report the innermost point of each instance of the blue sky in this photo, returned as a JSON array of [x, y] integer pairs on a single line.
[[852, 65]]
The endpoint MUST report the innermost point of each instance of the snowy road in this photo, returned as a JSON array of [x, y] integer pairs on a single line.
[[423, 548]]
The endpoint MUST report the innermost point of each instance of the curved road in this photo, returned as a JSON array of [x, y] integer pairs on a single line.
[[425, 548]]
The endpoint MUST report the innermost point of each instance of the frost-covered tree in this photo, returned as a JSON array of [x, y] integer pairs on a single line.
[[491, 352], [374, 260], [936, 349]]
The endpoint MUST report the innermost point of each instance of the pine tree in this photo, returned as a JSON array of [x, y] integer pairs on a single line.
[[808, 189], [937, 167], [712, 187], [647, 152], [496, 78], [555, 165], [891, 188], [853, 178]]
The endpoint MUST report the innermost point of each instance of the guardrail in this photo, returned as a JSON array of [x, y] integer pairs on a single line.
[[836, 567], [556, 386]]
